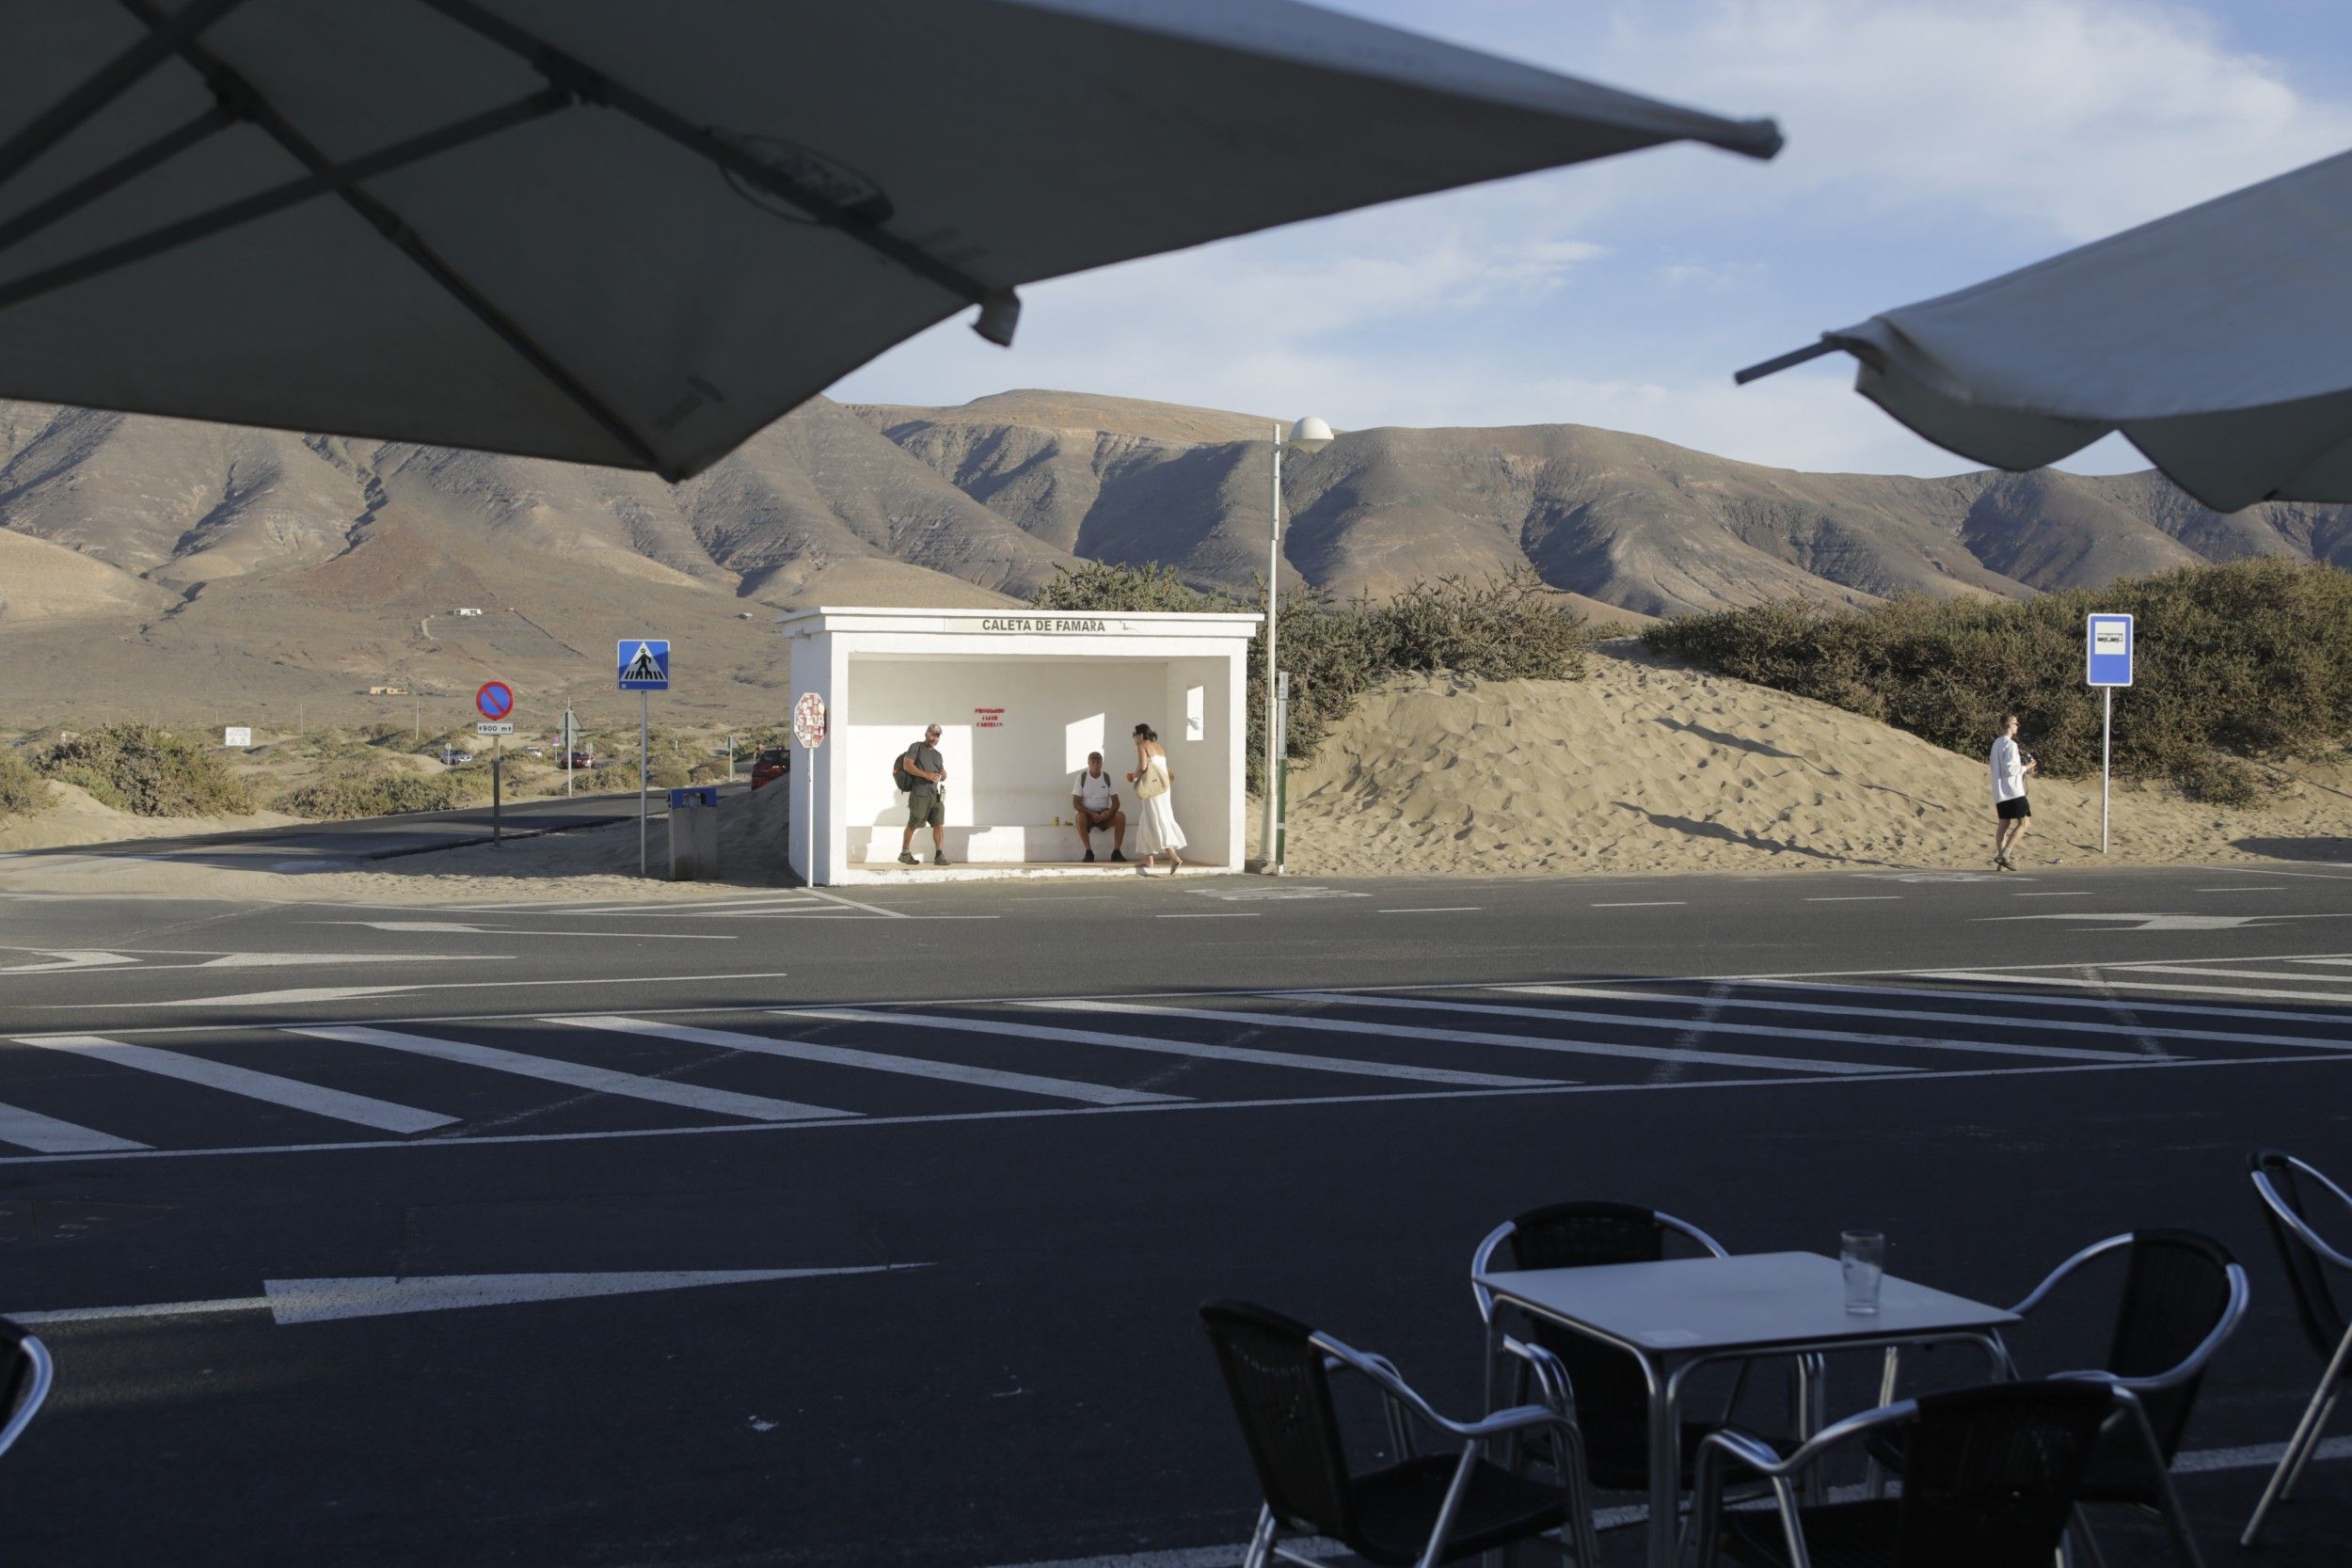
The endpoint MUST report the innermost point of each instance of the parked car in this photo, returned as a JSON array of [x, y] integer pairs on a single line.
[[582, 761], [455, 758], [770, 765]]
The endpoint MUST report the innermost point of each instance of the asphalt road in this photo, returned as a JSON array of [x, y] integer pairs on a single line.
[[868, 1228], [326, 846]]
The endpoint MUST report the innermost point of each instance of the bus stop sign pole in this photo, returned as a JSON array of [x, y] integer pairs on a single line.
[[2107, 653]]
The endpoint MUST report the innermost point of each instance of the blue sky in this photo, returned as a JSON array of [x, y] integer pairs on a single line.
[[1932, 143]]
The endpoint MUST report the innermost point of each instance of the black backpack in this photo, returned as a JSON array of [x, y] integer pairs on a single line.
[[898, 774]]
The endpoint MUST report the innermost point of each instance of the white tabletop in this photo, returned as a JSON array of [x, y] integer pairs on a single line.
[[1703, 1305]]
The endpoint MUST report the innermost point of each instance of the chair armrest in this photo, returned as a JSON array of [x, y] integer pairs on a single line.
[[1551, 1374], [1381, 1372], [43, 1374], [2286, 1216]]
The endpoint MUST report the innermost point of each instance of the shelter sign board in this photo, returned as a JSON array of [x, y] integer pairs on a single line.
[[642, 663], [237, 734], [2108, 647]]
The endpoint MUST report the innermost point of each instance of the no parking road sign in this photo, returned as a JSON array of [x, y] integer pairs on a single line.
[[2109, 650], [496, 700], [644, 663]]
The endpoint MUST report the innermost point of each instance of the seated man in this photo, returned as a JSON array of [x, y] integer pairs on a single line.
[[1096, 800]]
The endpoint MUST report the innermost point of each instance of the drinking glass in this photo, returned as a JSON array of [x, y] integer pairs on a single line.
[[1863, 1255]]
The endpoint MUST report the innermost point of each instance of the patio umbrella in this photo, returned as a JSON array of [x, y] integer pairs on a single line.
[[632, 233], [2217, 340]]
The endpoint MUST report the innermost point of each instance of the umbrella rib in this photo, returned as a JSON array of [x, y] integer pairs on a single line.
[[164, 37], [1782, 362], [596, 88], [119, 173], [232, 88]]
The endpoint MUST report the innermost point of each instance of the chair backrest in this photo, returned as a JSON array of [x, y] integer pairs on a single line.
[[2315, 1303], [24, 1377], [2176, 1291], [1612, 1396], [1282, 1396], [1990, 1473]]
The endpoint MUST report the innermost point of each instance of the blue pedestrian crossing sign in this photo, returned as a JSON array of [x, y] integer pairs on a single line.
[[644, 663], [2108, 647]]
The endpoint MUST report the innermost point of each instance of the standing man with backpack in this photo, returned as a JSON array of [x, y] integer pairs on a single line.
[[920, 771]]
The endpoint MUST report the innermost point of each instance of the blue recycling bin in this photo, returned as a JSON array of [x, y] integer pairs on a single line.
[[695, 794]]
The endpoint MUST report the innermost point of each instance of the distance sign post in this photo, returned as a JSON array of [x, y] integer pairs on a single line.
[[808, 728], [643, 667], [2107, 651], [495, 702]]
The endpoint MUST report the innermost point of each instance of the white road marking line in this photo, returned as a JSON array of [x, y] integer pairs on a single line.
[[1461, 1037], [2084, 895], [1981, 977], [2319, 961], [1645, 904], [2204, 969], [2271, 887], [1537, 1091], [2001, 1021], [1214, 914], [312, 1098], [67, 958], [853, 904], [1438, 909], [663, 1091], [330, 993], [286, 961], [2311, 876], [2019, 999], [1177, 1048], [318, 1301], [873, 1061], [459, 928], [1711, 1026], [1858, 898], [31, 1129]]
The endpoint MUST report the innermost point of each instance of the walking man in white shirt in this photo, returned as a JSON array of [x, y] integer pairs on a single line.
[[2009, 811], [1095, 799]]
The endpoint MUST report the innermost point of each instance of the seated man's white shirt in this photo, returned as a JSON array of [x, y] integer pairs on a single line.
[[1094, 791]]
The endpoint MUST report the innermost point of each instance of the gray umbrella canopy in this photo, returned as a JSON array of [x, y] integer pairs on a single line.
[[2217, 340], [629, 233]]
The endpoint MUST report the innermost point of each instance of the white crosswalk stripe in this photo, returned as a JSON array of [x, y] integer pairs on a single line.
[[576, 1075], [48, 1136], [2057, 1025], [1717, 1026], [874, 1061], [1248, 1054], [317, 1099], [1465, 1036], [2113, 981], [2024, 1000]]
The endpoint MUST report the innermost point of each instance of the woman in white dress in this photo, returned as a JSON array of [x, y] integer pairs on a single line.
[[1158, 830]]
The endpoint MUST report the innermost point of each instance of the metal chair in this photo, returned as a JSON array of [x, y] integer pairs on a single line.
[[1608, 1398], [1423, 1510], [23, 1382], [1991, 1479], [2182, 1298], [2279, 1182]]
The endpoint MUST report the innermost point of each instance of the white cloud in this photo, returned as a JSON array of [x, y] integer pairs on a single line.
[[2080, 117]]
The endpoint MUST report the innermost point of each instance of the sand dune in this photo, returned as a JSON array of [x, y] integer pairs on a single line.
[[1648, 768]]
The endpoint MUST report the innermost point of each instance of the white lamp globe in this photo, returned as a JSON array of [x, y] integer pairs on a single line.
[[1310, 434]]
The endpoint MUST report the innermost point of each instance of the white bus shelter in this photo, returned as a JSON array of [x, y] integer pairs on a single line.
[[1020, 698]]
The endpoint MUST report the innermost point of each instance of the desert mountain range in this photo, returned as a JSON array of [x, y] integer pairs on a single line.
[[185, 570]]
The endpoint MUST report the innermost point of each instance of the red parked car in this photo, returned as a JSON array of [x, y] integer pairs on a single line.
[[770, 765]]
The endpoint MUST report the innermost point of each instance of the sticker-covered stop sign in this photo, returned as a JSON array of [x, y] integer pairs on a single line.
[[808, 720]]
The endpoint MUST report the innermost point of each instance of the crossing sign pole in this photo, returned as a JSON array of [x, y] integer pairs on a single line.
[[2108, 654], [643, 666]]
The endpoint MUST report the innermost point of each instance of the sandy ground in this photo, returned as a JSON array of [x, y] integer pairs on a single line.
[[75, 818], [1647, 768], [1644, 767]]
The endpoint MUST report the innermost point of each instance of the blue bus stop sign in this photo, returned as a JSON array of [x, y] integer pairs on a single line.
[[2108, 643]]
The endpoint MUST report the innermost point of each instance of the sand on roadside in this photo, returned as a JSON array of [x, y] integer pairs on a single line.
[[1647, 767]]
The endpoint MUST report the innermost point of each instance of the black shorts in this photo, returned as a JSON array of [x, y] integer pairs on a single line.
[[2011, 811]]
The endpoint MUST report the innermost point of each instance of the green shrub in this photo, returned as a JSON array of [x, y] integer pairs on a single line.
[[2247, 659], [137, 768], [377, 794], [1512, 627], [22, 792]]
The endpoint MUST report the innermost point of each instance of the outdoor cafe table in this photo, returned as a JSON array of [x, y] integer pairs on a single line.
[[1681, 1314]]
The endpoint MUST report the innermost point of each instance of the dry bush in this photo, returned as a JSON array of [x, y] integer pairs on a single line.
[[140, 769]]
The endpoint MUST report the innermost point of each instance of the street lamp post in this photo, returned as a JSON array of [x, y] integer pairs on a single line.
[[1309, 434]]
